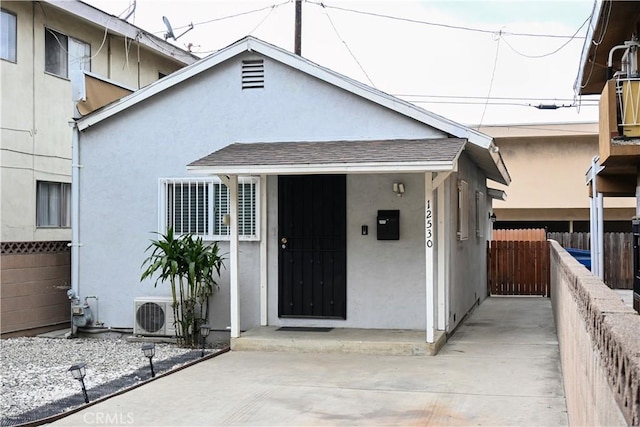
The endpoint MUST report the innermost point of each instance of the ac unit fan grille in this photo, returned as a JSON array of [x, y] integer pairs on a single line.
[[150, 316]]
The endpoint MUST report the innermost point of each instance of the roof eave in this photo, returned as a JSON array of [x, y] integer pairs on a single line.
[[123, 28], [329, 168], [578, 85]]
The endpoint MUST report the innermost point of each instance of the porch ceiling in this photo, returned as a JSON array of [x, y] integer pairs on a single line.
[[327, 157]]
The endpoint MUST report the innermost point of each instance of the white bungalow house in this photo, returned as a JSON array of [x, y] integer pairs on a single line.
[[341, 207]]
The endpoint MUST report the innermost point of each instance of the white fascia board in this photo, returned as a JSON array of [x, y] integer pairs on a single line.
[[346, 168], [496, 194], [159, 86], [586, 47], [122, 27], [502, 168]]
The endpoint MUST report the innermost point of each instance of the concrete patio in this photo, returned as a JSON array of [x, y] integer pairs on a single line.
[[500, 368]]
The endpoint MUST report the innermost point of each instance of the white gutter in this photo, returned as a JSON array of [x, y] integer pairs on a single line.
[[298, 169]]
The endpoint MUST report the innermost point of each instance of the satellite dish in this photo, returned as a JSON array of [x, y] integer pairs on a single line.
[[169, 33], [169, 29]]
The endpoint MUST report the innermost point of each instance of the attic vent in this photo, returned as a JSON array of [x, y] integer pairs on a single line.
[[253, 74]]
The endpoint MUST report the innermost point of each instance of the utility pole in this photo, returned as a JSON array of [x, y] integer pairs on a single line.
[[297, 49]]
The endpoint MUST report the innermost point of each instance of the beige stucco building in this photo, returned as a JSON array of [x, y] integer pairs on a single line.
[[548, 163], [42, 45]]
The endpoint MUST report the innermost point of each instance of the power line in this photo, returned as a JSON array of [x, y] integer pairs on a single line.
[[550, 53], [539, 106], [509, 98], [347, 46], [435, 24], [493, 74], [263, 19], [222, 18]]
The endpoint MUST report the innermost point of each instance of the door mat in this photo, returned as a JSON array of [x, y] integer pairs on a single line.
[[303, 329]]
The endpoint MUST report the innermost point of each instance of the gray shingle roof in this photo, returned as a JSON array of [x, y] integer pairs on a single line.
[[334, 152]]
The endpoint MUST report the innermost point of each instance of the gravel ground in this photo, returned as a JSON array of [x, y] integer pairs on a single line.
[[35, 370]]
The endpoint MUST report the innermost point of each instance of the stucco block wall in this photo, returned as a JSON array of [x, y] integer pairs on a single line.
[[599, 339], [34, 290]]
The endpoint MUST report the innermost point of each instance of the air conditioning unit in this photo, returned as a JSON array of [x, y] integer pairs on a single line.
[[153, 316]]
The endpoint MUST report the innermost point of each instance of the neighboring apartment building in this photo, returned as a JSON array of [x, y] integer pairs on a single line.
[[548, 163], [42, 43], [610, 67]]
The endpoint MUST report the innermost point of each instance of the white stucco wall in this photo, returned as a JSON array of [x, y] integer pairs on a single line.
[[468, 257], [124, 156]]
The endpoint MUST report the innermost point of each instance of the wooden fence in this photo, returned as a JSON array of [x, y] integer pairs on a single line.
[[518, 268], [529, 234], [618, 255]]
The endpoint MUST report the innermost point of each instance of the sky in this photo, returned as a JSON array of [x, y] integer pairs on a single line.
[[474, 62]]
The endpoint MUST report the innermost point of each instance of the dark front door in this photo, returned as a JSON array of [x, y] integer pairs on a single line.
[[312, 256]]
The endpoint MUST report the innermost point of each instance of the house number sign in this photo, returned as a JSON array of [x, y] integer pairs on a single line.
[[429, 225]]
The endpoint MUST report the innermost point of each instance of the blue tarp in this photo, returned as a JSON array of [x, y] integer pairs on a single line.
[[582, 255]]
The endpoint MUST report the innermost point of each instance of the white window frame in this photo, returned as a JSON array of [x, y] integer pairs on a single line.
[[463, 210], [9, 36], [481, 215], [216, 212], [73, 54], [53, 209]]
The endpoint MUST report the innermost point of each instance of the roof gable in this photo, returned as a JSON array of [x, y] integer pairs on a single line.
[[485, 156]]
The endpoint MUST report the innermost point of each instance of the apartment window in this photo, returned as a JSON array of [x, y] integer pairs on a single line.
[[53, 204], [463, 210], [8, 36], [64, 54], [201, 207]]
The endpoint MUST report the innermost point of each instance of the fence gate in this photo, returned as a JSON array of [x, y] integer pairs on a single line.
[[518, 267]]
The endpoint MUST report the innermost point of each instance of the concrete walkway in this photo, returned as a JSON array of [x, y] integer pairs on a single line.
[[500, 368]]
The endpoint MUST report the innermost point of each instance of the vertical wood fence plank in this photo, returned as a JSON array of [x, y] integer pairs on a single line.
[[618, 255], [518, 268]]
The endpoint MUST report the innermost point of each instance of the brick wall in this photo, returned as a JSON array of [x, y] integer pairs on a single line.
[[599, 339], [34, 286]]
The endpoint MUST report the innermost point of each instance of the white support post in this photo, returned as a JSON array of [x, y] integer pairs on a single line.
[[232, 184], [600, 206], [429, 235], [443, 259], [593, 220], [264, 318]]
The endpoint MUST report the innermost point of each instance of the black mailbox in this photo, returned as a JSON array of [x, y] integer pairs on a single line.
[[389, 225]]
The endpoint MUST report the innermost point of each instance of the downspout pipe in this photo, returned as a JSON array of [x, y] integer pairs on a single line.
[[75, 208], [627, 45]]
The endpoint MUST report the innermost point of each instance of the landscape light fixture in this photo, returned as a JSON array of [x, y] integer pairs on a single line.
[[204, 333], [149, 350], [78, 372]]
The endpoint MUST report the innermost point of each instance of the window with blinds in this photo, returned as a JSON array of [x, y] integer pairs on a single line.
[[53, 204], [200, 206], [8, 35]]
